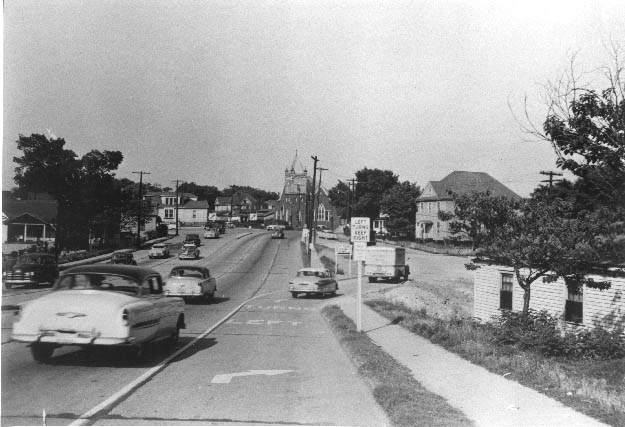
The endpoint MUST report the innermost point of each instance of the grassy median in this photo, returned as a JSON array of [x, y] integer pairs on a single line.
[[404, 400]]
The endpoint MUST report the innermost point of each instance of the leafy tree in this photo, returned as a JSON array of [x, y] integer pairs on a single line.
[[400, 204], [476, 215], [549, 239], [261, 195], [340, 197], [371, 186], [81, 187]]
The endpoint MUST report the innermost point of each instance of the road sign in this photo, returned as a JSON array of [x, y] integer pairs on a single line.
[[343, 250], [253, 217], [212, 216], [359, 251], [360, 229]]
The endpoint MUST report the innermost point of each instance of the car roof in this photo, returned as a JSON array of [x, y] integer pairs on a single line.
[[313, 269], [158, 245], [138, 273], [189, 268]]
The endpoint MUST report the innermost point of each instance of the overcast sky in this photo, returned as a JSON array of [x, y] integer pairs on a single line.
[[225, 92]]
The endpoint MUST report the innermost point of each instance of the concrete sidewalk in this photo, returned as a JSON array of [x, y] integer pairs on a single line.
[[486, 398]]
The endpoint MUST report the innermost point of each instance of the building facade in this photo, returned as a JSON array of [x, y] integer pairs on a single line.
[[437, 197]]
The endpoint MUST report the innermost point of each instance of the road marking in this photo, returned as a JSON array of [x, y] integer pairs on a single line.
[[260, 322], [226, 378]]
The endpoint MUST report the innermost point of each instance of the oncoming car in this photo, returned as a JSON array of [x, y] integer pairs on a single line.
[[278, 234], [123, 258], [313, 281], [211, 233], [189, 251], [159, 250], [100, 305], [190, 282], [31, 269]]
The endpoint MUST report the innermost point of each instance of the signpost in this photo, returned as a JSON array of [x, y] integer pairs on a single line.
[[342, 250], [360, 229]]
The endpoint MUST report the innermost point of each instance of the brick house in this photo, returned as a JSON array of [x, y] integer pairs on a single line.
[[437, 196]]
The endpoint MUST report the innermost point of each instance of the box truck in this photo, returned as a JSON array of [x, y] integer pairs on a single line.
[[386, 262]]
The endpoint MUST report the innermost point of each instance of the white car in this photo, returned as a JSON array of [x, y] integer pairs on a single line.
[[100, 305], [330, 235], [190, 282], [189, 251], [159, 250], [313, 281], [211, 233]]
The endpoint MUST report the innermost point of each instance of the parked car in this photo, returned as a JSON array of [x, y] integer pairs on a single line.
[[100, 305], [271, 227], [193, 238], [190, 282], [330, 235], [123, 258], [311, 281], [189, 251], [211, 233], [32, 269], [159, 250], [278, 234]]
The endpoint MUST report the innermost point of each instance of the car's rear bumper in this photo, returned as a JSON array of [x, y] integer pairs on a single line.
[[76, 338]]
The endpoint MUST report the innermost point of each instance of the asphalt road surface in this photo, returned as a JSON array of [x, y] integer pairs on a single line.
[[253, 355]]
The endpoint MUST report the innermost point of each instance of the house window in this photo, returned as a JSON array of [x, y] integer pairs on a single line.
[[194, 214], [429, 207], [321, 213], [438, 206], [169, 214], [438, 227], [170, 200], [505, 293], [574, 308]]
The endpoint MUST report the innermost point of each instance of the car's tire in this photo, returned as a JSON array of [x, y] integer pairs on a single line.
[[41, 352], [294, 294], [373, 279]]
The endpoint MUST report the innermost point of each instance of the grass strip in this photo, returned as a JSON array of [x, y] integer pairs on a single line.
[[405, 401], [595, 388]]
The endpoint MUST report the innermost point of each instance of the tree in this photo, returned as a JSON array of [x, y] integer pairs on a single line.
[[548, 240], [81, 187], [400, 204], [371, 186], [340, 197], [476, 215]]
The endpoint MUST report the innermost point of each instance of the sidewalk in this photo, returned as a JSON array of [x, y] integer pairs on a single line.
[[488, 399]]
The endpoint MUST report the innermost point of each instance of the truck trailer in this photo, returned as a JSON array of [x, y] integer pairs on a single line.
[[386, 262]]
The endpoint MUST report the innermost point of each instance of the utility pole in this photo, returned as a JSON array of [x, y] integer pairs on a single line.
[[551, 175], [311, 230], [176, 204], [351, 183], [319, 192], [141, 173]]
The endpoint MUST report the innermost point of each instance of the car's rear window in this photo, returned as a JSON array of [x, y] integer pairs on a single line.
[[310, 274], [157, 246], [105, 282]]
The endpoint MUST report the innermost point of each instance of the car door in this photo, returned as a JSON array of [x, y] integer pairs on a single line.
[[163, 312]]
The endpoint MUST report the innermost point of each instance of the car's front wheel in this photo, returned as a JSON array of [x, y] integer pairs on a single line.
[[41, 352], [294, 294]]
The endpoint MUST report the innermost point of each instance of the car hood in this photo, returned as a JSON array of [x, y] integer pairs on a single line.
[[26, 267]]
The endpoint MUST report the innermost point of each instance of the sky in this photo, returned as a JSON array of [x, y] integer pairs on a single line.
[[226, 92]]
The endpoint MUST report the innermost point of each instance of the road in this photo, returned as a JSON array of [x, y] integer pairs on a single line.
[[255, 356]]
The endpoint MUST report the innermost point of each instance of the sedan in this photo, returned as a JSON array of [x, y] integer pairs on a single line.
[[190, 282], [159, 250], [278, 234], [189, 251], [311, 281], [211, 233], [100, 305], [123, 258]]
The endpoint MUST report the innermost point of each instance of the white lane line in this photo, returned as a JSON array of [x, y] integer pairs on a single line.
[[115, 398], [226, 378]]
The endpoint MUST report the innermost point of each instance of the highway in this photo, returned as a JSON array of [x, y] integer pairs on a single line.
[[253, 355]]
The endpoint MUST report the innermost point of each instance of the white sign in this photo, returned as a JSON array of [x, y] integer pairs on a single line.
[[360, 229], [253, 217], [212, 216], [343, 250], [359, 251]]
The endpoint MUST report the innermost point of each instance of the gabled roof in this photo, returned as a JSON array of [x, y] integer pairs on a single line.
[[195, 204], [235, 199], [45, 210], [462, 182]]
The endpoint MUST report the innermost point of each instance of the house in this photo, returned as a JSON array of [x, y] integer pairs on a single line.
[[239, 207], [296, 197], [169, 205], [495, 288], [29, 221], [437, 196]]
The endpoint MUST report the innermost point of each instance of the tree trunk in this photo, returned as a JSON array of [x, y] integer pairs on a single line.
[[526, 300]]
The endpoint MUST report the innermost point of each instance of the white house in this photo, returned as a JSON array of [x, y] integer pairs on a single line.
[[496, 288]]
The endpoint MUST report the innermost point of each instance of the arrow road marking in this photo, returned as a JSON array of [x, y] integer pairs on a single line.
[[226, 378]]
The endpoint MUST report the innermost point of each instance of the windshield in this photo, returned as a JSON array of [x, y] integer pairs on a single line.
[[188, 247], [104, 282], [158, 246], [31, 259], [310, 274]]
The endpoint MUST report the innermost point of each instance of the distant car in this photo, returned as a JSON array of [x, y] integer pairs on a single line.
[[271, 227], [193, 238], [229, 225], [189, 251], [222, 227], [330, 235], [313, 281], [100, 305], [32, 269], [211, 233], [159, 250], [278, 234], [190, 282], [123, 258]]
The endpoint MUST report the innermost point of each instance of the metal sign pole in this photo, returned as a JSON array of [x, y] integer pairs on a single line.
[[359, 299]]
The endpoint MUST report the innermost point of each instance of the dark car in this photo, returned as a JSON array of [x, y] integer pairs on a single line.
[[123, 258], [32, 269], [193, 238], [278, 234]]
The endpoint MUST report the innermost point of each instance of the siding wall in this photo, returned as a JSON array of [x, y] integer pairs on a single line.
[[601, 308]]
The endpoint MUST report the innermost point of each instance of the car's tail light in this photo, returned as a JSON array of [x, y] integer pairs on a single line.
[[125, 317]]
